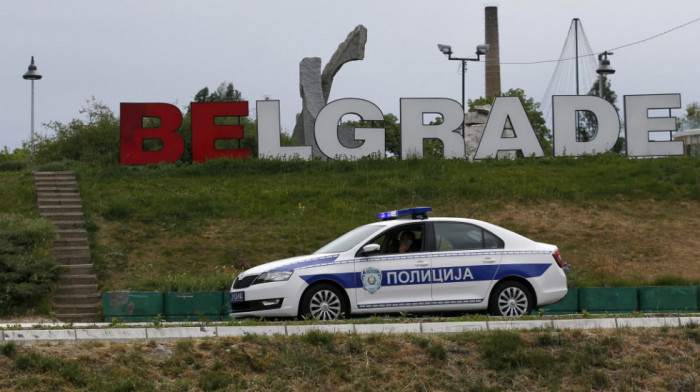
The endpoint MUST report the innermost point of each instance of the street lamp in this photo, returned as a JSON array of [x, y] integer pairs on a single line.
[[447, 50], [32, 75], [604, 68]]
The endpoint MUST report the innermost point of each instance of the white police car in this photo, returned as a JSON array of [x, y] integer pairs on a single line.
[[407, 265]]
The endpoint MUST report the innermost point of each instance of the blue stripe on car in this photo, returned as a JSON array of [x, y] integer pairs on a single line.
[[351, 280]]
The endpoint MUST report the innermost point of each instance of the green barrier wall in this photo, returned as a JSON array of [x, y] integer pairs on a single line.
[[193, 306], [568, 305], [214, 306], [225, 306], [668, 299], [609, 299], [132, 306]]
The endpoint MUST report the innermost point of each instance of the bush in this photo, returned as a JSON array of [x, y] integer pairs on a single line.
[[12, 166], [94, 141], [27, 271]]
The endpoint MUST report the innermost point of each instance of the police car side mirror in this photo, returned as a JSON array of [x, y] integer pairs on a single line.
[[370, 249]]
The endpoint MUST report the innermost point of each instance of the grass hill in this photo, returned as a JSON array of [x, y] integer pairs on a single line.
[[617, 221], [615, 360]]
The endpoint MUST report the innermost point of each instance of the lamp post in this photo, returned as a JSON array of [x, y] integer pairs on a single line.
[[32, 75], [604, 68], [447, 50]]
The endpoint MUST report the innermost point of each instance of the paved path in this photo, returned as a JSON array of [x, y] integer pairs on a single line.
[[105, 332]]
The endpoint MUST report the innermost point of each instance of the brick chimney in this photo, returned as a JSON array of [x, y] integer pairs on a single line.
[[493, 60]]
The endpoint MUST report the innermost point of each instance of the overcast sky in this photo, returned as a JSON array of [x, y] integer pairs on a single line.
[[167, 50]]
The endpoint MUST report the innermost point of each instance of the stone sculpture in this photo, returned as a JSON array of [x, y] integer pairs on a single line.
[[315, 88]]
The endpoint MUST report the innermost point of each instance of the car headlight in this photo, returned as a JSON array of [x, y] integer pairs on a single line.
[[273, 276]]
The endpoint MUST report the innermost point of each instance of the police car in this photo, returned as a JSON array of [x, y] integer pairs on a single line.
[[418, 264]]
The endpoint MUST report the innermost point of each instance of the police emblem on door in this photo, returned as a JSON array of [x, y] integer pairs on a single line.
[[371, 279]]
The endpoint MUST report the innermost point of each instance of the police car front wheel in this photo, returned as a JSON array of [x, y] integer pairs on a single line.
[[323, 302], [510, 299]]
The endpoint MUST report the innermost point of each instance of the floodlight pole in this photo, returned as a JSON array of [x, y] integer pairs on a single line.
[[447, 50], [32, 75]]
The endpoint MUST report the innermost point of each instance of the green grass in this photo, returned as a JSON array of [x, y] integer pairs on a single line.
[[195, 226], [636, 359]]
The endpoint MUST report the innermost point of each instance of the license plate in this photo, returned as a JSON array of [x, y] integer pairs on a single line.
[[237, 296]]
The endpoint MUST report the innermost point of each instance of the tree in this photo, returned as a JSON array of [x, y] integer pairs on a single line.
[[392, 139], [532, 109], [692, 117], [587, 127], [94, 140], [226, 92]]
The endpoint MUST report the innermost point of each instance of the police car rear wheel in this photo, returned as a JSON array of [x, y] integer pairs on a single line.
[[323, 302], [510, 299]]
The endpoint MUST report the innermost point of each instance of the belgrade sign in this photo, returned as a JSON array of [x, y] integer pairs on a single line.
[[413, 129]]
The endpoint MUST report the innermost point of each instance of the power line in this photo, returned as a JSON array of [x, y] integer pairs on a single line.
[[595, 54]]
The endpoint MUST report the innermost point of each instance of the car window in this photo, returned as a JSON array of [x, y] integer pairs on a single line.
[[463, 236], [348, 240], [390, 241]]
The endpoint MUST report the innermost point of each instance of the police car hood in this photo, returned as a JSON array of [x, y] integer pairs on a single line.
[[294, 263]]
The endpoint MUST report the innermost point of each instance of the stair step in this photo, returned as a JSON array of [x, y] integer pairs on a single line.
[[68, 225], [69, 281], [80, 317], [70, 242], [62, 177], [73, 260], [76, 308], [78, 269], [59, 182], [63, 216], [53, 173], [71, 233], [57, 188], [76, 289], [77, 299], [71, 251], [56, 200], [60, 208]]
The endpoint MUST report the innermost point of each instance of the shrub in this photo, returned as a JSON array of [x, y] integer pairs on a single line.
[[12, 166], [95, 140], [27, 271]]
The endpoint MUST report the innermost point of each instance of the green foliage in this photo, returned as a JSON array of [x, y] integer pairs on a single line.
[[503, 350], [534, 115], [27, 272], [692, 117], [587, 126], [94, 140], [224, 93], [318, 338], [17, 155], [187, 282], [9, 349], [12, 166], [392, 139]]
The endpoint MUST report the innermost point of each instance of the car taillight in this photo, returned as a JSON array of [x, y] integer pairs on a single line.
[[557, 258]]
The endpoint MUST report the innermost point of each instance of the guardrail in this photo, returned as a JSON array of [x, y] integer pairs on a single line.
[[134, 306]]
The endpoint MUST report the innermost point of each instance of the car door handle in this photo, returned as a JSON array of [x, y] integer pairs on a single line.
[[489, 260], [422, 264]]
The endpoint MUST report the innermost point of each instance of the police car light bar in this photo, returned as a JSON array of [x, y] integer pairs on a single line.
[[415, 212]]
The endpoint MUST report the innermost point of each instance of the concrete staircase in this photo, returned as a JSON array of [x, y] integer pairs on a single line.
[[76, 298]]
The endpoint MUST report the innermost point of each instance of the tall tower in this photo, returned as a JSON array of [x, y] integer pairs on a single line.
[[493, 58]]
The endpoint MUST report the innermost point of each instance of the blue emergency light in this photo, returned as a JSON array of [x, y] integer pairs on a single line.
[[415, 212]]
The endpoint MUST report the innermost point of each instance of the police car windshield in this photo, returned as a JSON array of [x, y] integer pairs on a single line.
[[348, 240]]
